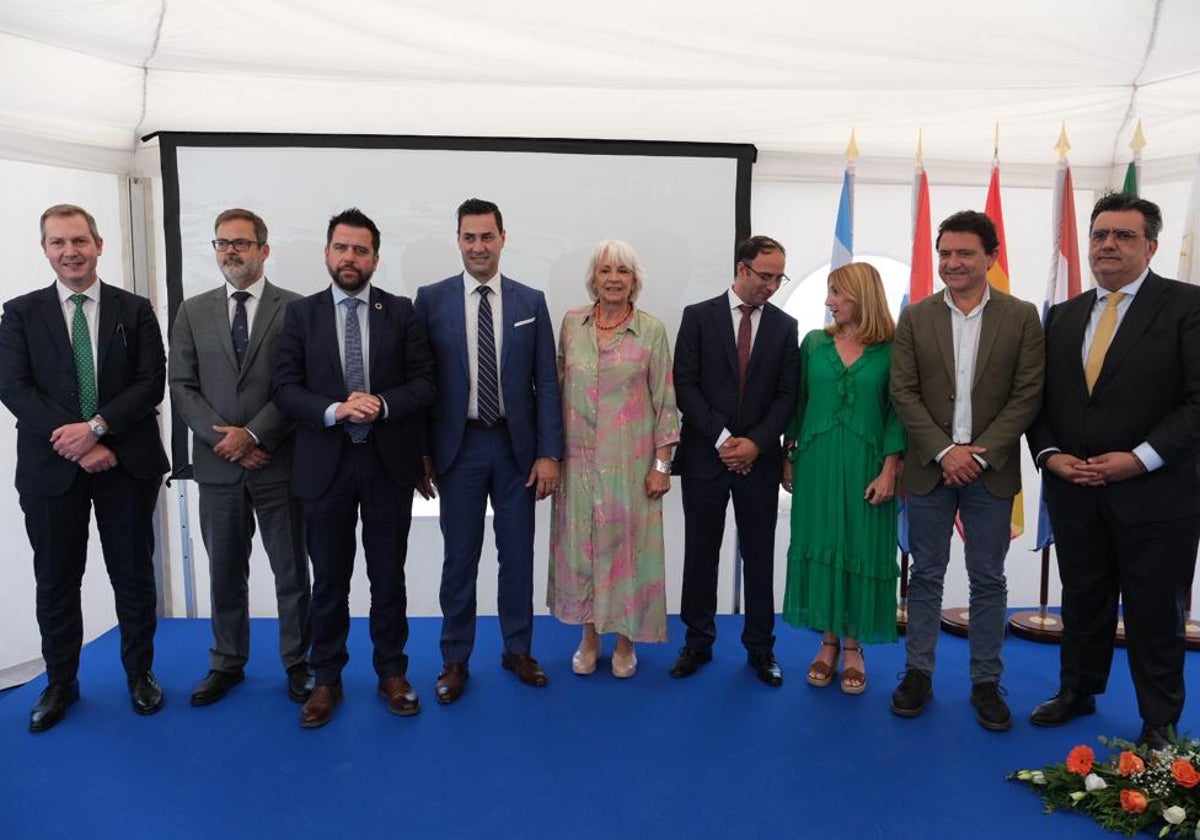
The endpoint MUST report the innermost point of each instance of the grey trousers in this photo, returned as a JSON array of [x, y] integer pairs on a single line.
[[227, 514], [987, 527]]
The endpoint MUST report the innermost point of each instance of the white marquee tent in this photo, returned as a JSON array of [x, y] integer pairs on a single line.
[[85, 80]]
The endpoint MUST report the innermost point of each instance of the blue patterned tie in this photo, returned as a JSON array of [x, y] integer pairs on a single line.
[[356, 379], [85, 369], [488, 387], [241, 327]]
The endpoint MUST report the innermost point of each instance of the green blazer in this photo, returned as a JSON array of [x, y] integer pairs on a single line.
[[1006, 392]]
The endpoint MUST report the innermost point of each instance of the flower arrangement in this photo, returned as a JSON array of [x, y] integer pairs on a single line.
[[1134, 790]]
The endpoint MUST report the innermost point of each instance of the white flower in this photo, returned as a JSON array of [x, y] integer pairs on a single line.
[[1093, 782], [1037, 777], [1174, 815], [1078, 795]]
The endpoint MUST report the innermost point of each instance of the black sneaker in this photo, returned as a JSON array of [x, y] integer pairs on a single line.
[[990, 709], [914, 691]]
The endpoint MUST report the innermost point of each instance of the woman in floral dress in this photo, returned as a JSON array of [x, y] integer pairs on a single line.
[[607, 561]]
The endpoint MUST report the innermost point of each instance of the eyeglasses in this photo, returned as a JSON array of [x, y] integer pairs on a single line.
[[239, 245], [1100, 235], [781, 279]]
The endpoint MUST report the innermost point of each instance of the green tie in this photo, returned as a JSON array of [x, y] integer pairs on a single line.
[[85, 370]]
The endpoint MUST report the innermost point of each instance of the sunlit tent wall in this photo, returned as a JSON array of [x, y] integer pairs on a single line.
[[84, 82]]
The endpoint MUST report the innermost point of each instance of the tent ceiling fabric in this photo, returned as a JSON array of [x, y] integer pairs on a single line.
[[89, 77]]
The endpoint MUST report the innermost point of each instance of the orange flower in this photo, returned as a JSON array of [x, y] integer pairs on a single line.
[[1129, 764], [1185, 774], [1080, 760], [1133, 801]]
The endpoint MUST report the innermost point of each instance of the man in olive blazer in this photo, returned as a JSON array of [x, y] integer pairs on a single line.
[[966, 380]]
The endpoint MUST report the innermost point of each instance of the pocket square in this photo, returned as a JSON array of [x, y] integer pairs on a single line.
[[526, 321]]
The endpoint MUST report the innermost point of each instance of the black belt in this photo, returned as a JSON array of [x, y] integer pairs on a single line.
[[472, 423]]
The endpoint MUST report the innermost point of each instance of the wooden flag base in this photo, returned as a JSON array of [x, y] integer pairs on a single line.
[[902, 618], [956, 620], [1040, 625]]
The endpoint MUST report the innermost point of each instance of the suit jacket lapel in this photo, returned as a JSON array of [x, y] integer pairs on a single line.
[[1142, 311], [108, 324], [56, 327], [217, 305], [766, 323], [943, 334], [989, 327], [457, 312], [375, 321], [1076, 315], [326, 325], [723, 323], [268, 310], [509, 293]]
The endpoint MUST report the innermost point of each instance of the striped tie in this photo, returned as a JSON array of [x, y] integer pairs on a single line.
[[488, 386], [356, 379]]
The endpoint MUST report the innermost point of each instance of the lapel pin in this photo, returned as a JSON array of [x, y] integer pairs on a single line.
[[379, 306]]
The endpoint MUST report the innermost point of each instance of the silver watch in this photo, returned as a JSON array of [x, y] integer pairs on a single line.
[[662, 466], [97, 426]]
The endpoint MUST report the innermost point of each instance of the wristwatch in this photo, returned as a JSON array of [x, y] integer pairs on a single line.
[[96, 424], [662, 466]]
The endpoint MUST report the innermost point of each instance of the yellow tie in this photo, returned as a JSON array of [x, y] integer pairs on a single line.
[[1102, 339]]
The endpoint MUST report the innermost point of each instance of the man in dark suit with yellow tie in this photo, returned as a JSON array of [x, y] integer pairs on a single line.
[[82, 368], [1117, 441]]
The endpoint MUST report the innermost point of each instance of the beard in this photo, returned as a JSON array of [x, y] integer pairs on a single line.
[[238, 272], [349, 278]]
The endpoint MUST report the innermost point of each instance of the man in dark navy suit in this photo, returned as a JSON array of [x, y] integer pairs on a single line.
[[1118, 440], [353, 369], [495, 433], [82, 368], [735, 382]]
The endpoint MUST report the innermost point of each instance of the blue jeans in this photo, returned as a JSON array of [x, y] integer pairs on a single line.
[[987, 527]]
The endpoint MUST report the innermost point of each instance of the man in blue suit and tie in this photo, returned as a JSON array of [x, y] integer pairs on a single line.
[[495, 432], [354, 371]]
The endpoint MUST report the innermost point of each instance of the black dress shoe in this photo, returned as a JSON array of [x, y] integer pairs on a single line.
[[688, 661], [214, 686], [914, 691], [990, 709], [301, 681], [1060, 708], [525, 667], [52, 705], [766, 668], [146, 694], [1155, 736]]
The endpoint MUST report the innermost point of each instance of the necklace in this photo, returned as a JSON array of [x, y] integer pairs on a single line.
[[624, 317]]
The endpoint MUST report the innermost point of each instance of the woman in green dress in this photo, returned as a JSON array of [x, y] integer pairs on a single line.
[[844, 447]]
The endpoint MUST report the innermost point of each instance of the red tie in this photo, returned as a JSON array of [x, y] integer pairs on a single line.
[[743, 344]]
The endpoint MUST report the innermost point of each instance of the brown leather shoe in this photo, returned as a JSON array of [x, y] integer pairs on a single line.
[[525, 667], [402, 700], [318, 709], [451, 682]]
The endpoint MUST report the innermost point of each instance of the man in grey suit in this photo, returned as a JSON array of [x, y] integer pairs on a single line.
[[221, 362], [967, 373]]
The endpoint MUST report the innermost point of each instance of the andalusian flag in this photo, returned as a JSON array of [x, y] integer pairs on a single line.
[[1133, 171]]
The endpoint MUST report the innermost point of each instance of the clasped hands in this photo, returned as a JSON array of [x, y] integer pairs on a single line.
[[1096, 471], [359, 408], [959, 466], [738, 454], [75, 442], [238, 447]]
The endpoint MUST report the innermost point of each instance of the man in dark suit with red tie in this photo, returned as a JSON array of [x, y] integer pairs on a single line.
[[735, 382], [82, 368], [1118, 440], [355, 372]]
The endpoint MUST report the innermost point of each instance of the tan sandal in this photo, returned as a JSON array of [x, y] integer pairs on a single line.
[[854, 680], [820, 673]]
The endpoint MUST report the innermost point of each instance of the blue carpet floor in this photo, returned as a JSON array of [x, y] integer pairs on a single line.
[[718, 755]]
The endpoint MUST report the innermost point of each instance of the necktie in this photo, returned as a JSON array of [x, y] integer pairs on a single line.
[[743, 344], [85, 370], [1102, 339], [488, 386], [356, 379], [241, 327]]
